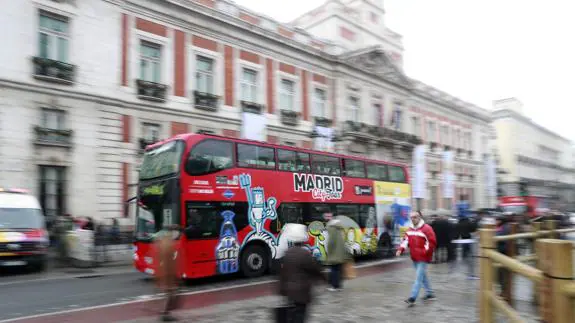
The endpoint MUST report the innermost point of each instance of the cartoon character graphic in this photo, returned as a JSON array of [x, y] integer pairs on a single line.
[[259, 211], [352, 243], [317, 230], [228, 248], [369, 239]]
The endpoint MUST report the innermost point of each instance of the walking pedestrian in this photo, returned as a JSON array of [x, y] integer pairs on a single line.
[[422, 242], [337, 253], [465, 229], [298, 272], [167, 271]]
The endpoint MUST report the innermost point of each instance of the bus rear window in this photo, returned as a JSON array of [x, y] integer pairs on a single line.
[[396, 174], [210, 156], [162, 161]]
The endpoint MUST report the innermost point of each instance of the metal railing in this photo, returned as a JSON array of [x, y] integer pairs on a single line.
[[552, 275]]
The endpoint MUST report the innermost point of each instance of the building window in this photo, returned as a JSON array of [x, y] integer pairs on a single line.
[[287, 95], [396, 119], [150, 62], [354, 109], [433, 198], [53, 190], [416, 126], [444, 135], [431, 133], [374, 17], [204, 74], [151, 132], [378, 114], [456, 138], [319, 103], [53, 119], [54, 37], [249, 85]]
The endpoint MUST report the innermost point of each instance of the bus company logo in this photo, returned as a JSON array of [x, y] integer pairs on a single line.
[[321, 187], [228, 194], [363, 190]]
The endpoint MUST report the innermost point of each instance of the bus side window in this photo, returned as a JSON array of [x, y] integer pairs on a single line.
[[286, 160], [316, 213], [349, 210], [202, 221], [396, 174], [210, 156]]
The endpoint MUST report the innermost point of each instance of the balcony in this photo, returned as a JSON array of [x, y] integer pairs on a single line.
[[323, 122], [151, 91], [50, 70], [252, 107], [206, 101], [53, 137], [289, 117], [145, 142]]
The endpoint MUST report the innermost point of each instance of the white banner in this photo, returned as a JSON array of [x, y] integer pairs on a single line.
[[253, 126], [323, 141], [491, 180], [448, 176], [418, 174]]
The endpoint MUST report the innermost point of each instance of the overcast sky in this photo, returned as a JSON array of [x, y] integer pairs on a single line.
[[481, 50]]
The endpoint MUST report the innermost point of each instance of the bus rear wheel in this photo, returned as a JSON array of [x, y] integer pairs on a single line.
[[255, 261]]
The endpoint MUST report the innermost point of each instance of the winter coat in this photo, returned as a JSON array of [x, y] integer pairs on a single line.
[[421, 241], [298, 273], [443, 232], [166, 271], [337, 253], [465, 228]]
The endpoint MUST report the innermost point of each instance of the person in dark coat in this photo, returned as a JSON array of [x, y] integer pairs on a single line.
[[442, 229], [299, 270], [502, 228]]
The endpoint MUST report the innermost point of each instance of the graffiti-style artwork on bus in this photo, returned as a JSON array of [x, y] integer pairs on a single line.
[[318, 231], [259, 210], [228, 248]]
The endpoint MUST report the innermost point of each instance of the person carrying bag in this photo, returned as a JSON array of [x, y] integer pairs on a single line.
[[298, 272]]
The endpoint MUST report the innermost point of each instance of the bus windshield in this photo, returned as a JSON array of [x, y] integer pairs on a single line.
[[20, 218], [163, 160]]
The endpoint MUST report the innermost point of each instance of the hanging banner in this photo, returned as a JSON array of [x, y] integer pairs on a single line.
[[253, 126], [324, 139], [418, 178], [448, 176], [491, 172]]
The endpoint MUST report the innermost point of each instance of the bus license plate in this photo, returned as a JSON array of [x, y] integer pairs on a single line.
[[13, 263]]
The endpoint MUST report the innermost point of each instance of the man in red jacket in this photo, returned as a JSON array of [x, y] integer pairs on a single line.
[[421, 241]]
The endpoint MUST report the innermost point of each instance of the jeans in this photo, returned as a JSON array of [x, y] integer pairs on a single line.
[[420, 279], [335, 276], [297, 313]]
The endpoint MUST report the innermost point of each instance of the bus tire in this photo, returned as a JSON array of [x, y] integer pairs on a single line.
[[255, 261]]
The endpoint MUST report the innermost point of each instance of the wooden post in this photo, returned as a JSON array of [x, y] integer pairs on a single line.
[[511, 247], [535, 228], [486, 274], [551, 225], [557, 266]]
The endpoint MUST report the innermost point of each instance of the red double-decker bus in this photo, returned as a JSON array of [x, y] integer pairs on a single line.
[[231, 197]]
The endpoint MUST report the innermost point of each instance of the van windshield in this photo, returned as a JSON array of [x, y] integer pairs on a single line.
[[21, 218]]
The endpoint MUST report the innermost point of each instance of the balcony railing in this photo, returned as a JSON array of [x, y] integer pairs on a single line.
[[50, 70], [151, 91], [289, 118], [252, 107], [206, 101], [144, 142], [323, 122], [53, 137]]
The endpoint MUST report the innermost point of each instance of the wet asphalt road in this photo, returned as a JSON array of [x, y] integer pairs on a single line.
[[22, 296]]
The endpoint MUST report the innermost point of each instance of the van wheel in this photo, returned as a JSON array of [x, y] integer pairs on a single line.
[[255, 261]]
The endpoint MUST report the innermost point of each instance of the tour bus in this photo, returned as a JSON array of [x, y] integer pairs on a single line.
[[231, 198]]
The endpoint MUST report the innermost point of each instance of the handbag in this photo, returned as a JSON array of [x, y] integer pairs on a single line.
[[349, 270]]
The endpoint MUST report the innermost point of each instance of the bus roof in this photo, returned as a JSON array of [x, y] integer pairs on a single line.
[[200, 136]]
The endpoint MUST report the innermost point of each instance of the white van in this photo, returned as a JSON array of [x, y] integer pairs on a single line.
[[23, 237]]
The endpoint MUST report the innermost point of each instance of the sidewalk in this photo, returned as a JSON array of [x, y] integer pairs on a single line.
[[375, 298]]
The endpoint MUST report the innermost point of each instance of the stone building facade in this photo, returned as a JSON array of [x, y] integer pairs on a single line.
[[532, 156], [86, 84]]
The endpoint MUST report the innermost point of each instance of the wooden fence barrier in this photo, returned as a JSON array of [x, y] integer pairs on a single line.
[[553, 275]]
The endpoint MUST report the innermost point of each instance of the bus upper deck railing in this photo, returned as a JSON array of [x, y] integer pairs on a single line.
[[553, 275]]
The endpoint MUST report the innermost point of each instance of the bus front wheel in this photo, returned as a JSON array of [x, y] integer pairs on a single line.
[[255, 261]]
